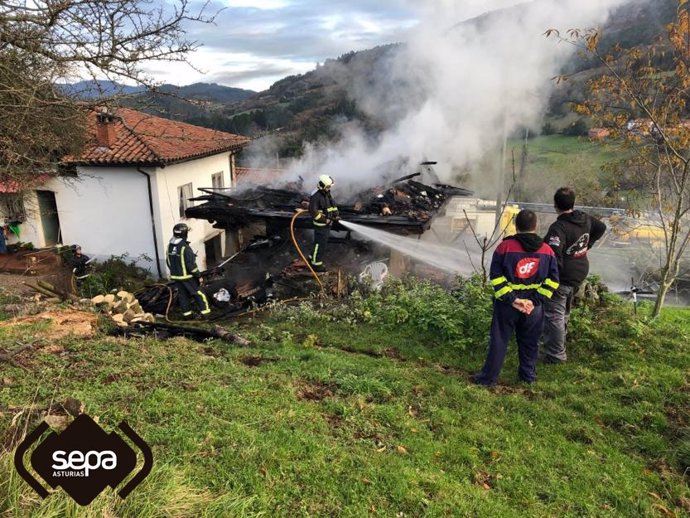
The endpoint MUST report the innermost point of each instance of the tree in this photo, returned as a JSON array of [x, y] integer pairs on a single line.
[[642, 95], [45, 41]]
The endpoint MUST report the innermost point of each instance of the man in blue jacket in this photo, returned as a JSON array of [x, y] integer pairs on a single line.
[[523, 274], [183, 270]]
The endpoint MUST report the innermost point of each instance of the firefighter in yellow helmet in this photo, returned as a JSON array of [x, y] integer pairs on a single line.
[[324, 213]]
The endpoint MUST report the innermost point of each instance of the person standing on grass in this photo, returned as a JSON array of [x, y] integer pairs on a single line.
[[183, 270], [570, 237], [523, 274]]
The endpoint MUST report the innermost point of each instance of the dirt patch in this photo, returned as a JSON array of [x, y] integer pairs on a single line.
[[62, 322], [255, 361], [316, 390]]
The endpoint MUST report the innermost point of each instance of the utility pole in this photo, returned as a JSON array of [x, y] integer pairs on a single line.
[[501, 173]]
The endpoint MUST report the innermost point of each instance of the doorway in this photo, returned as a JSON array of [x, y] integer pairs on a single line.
[[47, 208], [213, 251]]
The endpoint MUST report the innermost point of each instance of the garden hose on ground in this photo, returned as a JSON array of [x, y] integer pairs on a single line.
[[299, 250]]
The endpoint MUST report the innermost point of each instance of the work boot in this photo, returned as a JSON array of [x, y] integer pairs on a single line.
[[320, 268]]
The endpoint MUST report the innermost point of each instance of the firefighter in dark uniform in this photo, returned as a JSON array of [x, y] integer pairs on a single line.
[[183, 270], [79, 263], [524, 274], [323, 213]]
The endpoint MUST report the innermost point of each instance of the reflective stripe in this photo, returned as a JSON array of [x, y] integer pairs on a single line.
[[332, 209], [315, 255], [180, 277], [205, 300], [524, 286], [187, 313], [503, 291], [552, 284], [498, 280], [316, 223], [545, 292], [185, 275]]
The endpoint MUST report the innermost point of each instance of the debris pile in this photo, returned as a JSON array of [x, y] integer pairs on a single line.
[[404, 206], [123, 308]]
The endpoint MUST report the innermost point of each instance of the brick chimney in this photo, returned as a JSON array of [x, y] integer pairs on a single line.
[[105, 129]]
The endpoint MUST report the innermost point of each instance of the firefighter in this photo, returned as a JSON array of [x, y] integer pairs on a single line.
[[79, 265], [524, 274], [183, 270], [323, 213]]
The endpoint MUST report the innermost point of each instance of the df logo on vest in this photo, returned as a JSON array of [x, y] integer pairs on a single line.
[[83, 460]]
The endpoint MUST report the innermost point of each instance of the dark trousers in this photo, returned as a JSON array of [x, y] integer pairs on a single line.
[[189, 290], [527, 328], [320, 243]]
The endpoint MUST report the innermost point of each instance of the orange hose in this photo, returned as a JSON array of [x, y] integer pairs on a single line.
[[299, 250]]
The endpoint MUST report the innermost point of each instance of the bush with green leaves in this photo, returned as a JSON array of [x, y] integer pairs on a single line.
[[116, 273], [460, 317]]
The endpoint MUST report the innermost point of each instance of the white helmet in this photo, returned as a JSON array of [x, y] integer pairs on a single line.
[[325, 181]]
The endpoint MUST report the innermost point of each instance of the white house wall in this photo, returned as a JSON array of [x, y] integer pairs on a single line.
[[106, 211], [198, 173]]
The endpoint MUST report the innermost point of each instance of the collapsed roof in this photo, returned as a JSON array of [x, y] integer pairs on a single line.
[[405, 206]]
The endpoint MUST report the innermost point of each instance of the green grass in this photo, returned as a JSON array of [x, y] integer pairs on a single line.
[[557, 160], [328, 415]]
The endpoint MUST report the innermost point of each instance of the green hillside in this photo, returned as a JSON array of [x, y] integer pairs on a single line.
[[366, 409]]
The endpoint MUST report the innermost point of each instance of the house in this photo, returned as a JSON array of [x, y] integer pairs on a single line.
[[598, 133], [131, 184]]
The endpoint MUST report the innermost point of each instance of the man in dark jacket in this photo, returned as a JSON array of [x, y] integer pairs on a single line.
[[570, 236], [183, 270], [523, 275], [323, 213]]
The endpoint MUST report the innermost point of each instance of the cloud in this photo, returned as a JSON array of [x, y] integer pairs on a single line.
[[460, 89], [285, 37]]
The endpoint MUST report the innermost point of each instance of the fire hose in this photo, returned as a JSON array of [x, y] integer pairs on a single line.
[[298, 213]]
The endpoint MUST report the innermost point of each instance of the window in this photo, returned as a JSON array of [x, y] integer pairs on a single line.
[[217, 180], [184, 192]]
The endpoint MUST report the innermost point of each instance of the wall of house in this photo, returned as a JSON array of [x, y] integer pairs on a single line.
[[198, 173], [30, 230], [106, 211]]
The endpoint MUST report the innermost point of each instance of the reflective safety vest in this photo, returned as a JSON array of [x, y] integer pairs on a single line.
[[322, 208], [181, 260], [517, 273]]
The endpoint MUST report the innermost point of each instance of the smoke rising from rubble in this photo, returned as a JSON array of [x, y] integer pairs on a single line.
[[456, 87]]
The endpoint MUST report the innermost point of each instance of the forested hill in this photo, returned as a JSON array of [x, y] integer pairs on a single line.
[[309, 107]]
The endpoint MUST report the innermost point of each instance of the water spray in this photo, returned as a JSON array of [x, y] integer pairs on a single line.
[[445, 258]]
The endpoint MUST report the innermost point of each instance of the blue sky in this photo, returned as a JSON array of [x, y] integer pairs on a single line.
[[255, 43]]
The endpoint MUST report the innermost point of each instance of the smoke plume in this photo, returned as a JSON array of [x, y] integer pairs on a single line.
[[468, 75]]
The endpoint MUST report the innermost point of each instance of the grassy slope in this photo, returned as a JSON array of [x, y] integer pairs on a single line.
[[557, 160], [327, 418]]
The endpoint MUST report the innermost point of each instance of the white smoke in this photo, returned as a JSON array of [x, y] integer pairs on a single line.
[[467, 85]]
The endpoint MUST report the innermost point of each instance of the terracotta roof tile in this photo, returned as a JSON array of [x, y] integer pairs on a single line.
[[142, 139], [257, 175]]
